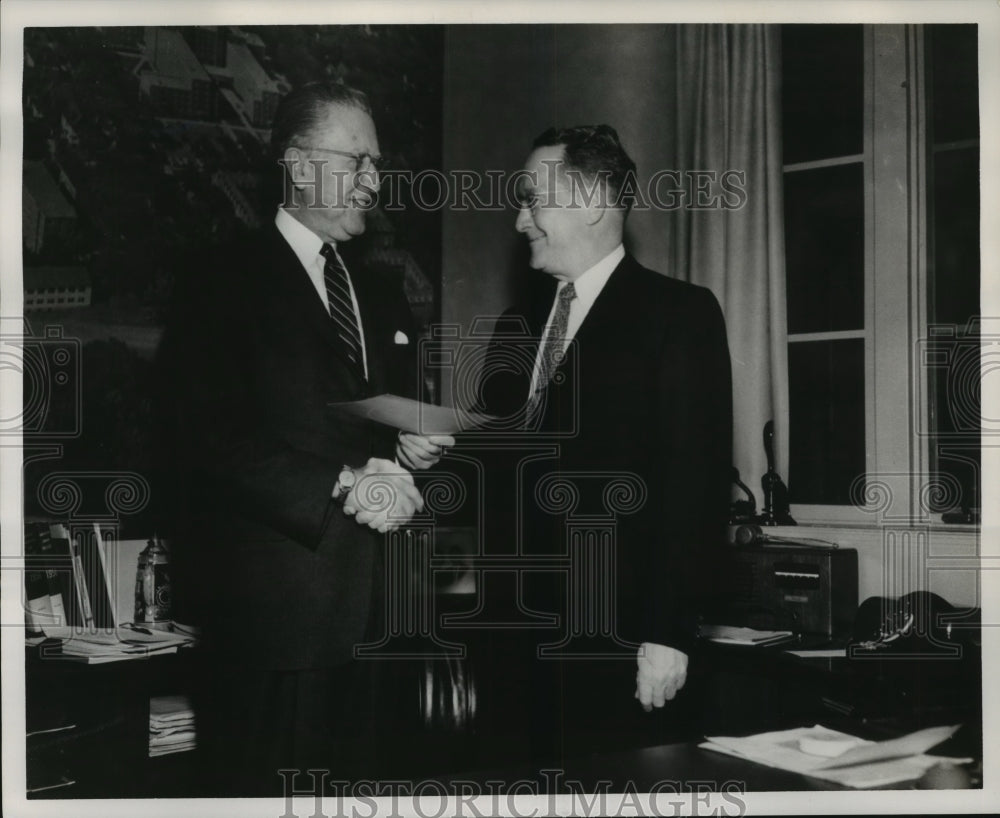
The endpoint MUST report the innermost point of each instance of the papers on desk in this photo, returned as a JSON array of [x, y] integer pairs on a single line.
[[820, 653], [100, 646], [413, 416], [171, 725], [731, 635], [838, 757]]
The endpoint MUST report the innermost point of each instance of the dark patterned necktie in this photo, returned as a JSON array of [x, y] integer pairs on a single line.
[[338, 293], [551, 354]]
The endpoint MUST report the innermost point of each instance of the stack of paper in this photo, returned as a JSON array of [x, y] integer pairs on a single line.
[[731, 635], [98, 646], [171, 725], [839, 757]]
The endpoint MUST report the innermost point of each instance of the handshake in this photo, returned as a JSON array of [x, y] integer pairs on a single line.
[[384, 496]]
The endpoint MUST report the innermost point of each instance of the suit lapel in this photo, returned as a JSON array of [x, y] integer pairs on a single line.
[[612, 305], [294, 282], [542, 307], [609, 317]]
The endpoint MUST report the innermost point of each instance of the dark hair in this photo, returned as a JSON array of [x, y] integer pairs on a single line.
[[593, 150], [303, 108]]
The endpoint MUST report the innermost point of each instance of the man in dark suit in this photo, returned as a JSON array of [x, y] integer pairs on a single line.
[[631, 377], [280, 498]]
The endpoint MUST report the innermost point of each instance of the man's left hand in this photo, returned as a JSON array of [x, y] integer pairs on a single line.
[[420, 451], [662, 672]]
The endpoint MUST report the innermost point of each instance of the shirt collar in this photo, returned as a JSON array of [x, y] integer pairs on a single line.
[[300, 238], [588, 284]]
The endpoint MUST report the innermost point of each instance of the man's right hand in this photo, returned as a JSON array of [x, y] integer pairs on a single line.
[[384, 496]]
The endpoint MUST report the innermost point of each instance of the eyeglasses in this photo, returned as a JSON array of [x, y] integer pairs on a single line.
[[545, 199], [361, 160], [527, 201]]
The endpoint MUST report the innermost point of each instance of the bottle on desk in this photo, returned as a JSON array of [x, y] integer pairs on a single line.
[[152, 586]]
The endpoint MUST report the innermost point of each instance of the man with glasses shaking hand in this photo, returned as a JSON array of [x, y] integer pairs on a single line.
[[279, 501]]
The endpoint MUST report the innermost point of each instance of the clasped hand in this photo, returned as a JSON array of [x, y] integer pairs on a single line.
[[384, 496], [421, 451]]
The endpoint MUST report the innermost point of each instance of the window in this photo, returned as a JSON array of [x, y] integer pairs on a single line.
[[951, 353], [881, 160]]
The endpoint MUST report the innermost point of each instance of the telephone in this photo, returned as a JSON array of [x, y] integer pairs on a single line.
[[750, 535], [776, 503], [917, 624], [742, 511]]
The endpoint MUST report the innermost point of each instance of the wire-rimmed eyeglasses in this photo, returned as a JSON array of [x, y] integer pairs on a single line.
[[361, 160]]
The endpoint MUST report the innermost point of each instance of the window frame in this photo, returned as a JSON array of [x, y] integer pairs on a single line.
[[897, 387]]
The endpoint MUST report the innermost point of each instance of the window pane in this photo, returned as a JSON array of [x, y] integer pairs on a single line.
[[827, 434], [956, 236], [824, 248], [822, 92], [952, 358], [952, 355], [954, 82]]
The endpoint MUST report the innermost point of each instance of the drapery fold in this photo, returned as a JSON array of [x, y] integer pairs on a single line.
[[727, 115]]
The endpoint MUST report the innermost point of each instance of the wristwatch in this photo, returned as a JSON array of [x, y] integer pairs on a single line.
[[345, 482]]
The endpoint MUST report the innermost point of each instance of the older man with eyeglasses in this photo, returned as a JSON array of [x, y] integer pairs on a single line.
[[276, 527]]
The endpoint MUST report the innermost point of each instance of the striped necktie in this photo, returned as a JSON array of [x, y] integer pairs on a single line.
[[552, 352], [338, 293]]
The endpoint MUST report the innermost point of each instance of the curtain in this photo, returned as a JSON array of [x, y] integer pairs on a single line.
[[727, 114]]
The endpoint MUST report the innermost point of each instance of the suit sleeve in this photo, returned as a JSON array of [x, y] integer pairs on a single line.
[[694, 446], [226, 451]]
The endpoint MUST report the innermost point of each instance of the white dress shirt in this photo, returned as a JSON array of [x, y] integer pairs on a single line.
[[588, 286], [307, 246]]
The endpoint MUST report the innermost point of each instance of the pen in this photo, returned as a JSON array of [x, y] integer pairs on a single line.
[[140, 630]]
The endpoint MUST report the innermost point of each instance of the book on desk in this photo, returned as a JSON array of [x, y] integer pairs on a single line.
[[750, 637]]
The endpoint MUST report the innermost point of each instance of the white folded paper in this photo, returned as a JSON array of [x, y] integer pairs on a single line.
[[859, 763]]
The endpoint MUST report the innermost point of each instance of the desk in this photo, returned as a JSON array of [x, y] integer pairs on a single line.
[[105, 753], [882, 691], [731, 691], [667, 768]]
